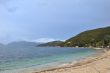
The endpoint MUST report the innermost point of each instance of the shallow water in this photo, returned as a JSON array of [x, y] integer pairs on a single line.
[[40, 57]]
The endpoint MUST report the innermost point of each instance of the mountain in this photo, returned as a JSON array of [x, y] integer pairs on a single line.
[[95, 38], [51, 44], [21, 44]]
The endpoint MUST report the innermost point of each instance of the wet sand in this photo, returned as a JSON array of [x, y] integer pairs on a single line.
[[96, 64]]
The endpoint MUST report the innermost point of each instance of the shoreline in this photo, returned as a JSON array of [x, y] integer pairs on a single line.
[[64, 67], [78, 65], [50, 68]]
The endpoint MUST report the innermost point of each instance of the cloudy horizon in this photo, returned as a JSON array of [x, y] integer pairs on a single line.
[[49, 20]]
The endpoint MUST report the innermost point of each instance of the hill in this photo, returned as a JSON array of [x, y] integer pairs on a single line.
[[21, 44], [95, 38], [51, 44]]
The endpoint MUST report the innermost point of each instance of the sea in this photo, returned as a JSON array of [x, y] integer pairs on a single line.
[[39, 58]]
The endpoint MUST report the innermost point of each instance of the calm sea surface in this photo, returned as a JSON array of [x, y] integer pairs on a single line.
[[41, 57]]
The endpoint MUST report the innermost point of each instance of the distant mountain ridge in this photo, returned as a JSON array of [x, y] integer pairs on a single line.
[[22, 44], [96, 38], [92, 38], [19, 44]]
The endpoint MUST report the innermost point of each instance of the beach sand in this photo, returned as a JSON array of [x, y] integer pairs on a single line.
[[96, 64], [99, 63]]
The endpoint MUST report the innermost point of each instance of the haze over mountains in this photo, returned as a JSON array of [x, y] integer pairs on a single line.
[[52, 19], [19, 44], [99, 37]]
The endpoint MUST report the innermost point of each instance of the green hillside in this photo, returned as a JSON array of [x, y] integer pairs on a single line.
[[51, 44], [95, 38]]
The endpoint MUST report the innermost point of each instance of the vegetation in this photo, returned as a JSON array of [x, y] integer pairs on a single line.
[[51, 44], [92, 38]]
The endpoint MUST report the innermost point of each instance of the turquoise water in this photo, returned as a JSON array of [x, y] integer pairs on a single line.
[[40, 57]]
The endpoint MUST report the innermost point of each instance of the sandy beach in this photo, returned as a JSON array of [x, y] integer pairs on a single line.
[[96, 64], [99, 63]]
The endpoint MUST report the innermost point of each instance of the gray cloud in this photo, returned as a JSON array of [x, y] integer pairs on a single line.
[[34, 19], [4, 1], [13, 9], [9, 7]]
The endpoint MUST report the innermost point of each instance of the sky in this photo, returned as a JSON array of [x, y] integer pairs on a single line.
[[49, 20]]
